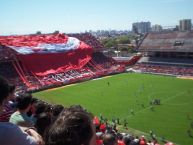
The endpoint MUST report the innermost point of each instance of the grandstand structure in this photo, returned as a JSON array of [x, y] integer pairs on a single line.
[[167, 52], [168, 44], [41, 61]]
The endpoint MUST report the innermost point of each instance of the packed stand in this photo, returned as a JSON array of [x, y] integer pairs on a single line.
[[164, 69], [98, 66]]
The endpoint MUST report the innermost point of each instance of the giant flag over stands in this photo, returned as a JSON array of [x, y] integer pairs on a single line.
[[48, 53]]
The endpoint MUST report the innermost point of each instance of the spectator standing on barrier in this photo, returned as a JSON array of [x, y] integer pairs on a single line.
[[11, 134]]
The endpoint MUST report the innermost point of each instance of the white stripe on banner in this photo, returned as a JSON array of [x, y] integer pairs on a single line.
[[71, 44]]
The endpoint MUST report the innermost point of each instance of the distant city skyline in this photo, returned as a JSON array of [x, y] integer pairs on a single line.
[[75, 16]]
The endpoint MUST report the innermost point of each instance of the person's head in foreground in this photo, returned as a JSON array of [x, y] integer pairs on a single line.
[[73, 127]]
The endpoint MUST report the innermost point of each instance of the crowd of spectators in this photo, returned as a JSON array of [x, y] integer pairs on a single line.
[[92, 70], [11, 134], [164, 69], [98, 66]]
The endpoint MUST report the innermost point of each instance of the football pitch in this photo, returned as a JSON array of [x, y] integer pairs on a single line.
[[127, 96]]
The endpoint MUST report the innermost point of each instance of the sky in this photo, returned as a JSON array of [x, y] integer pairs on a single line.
[[75, 16]]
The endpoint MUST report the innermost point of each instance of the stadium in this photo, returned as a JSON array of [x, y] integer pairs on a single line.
[[150, 94]]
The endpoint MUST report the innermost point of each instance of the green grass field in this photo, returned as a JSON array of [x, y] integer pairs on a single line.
[[129, 91]]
